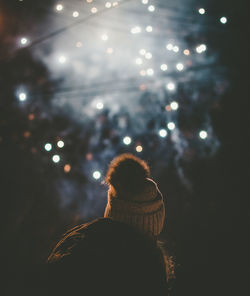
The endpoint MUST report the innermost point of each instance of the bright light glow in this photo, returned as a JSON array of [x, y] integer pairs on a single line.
[[148, 55], [171, 126], [223, 20], [56, 158], [108, 5], [144, 1], [59, 7], [149, 29], [186, 52], [78, 44], [143, 73], [99, 106], [170, 86], [151, 8], [115, 3], [67, 168], [75, 14], [22, 96], [169, 46], [89, 1], [135, 30], [139, 148], [175, 48], [179, 67], [47, 146], [150, 72], [201, 48], [62, 59], [127, 140], [24, 41], [105, 37], [142, 51], [163, 133], [201, 10], [203, 134], [164, 67], [94, 10], [60, 144], [96, 175], [138, 61], [174, 105]]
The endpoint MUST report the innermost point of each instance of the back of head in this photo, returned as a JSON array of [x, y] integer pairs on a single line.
[[106, 256]]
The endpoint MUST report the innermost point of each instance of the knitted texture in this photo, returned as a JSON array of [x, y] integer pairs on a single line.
[[145, 210]]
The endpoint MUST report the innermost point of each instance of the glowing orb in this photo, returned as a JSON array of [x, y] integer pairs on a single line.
[[144, 1], [75, 14], [67, 168], [203, 134], [24, 41], [127, 140], [151, 8], [142, 51], [223, 20], [94, 10], [169, 46], [62, 59], [60, 144], [170, 86], [149, 29], [163, 133], [108, 4], [139, 148], [56, 158], [47, 146], [164, 67], [175, 48], [22, 97], [201, 11], [96, 175], [135, 30], [148, 55], [186, 52], [171, 126], [174, 105], [150, 71], [99, 105], [59, 7], [138, 61], [179, 67]]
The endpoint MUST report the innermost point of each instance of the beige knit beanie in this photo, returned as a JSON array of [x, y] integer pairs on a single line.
[[133, 197]]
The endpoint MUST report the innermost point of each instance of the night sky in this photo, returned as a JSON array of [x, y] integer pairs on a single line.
[[83, 81]]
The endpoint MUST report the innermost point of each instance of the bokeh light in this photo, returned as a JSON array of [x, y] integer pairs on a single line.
[[96, 175], [138, 148], [163, 133], [170, 86], [174, 105], [223, 20], [59, 7], [60, 144], [201, 11], [127, 140], [48, 147], [22, 97], [56, 158], [203, 134], [171, 126]]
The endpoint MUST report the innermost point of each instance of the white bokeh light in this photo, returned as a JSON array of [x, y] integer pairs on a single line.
[[148, 55], [223, 20], [149, 29], [96, 175], [171, 126], [201, 10], [60, 144], [170, 86], [203, 134], [48, 147], [108, 4], [175, 48], [151, 8], [105, 37], [142, 51], [56, 158], [169, 46], [179, 66], [163, 133], [22, 97], [135, 30], [75, 14], [174, 105], [62, 59], [24, 41], [164, 67], [99, 105], [127, 140], [139, 148], [59, 7], [150, 72]]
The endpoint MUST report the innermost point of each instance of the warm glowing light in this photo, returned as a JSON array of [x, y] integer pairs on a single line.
[[169, 46], [139, 148], [127, 140], [60, 144], [105, 37], [75, 14], [78, 44], [201, 48], [62, 59], [56, 158], [138, 61], [175, 48], [94, 10], [99, 106], [174, 105], [201, 10], [48, 147], [110, 50], [179, 67], [170, 86], [135, 30], [186, 52], [163, 133], [59, 7], [164, 67], [142, 51], [150, 72], [96, 175], [115, 3], [171, 125], [89, 1], [168, 108], [108, 5], [148, 55], [149, 28], [151, 8], [203, 134], [223, 20], [22, 96], [67, 168]]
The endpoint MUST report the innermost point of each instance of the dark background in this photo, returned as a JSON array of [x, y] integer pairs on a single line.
[[207, 229]]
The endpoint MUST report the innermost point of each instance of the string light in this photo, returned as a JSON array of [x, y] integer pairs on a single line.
[[148, 55], [108, 4], [175, 48], [127, 140], [138, 61], [169, 46], [179, 67], [149, 29], [22, 97], [144, 1], [201, 11], [150, 72], [151, 8], [142, 51], [203, 135], [223, 20], [93, 10], [59, 7], [60, 144], [62, 59], [99, 106], [56, 158], [163, 133], [138, 148], [164, 67], [186, 52], [75, 14], [136, 30], [24, 41], [201, 48], [174, 105], [170, 86], [67, 168], [171, 126]]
